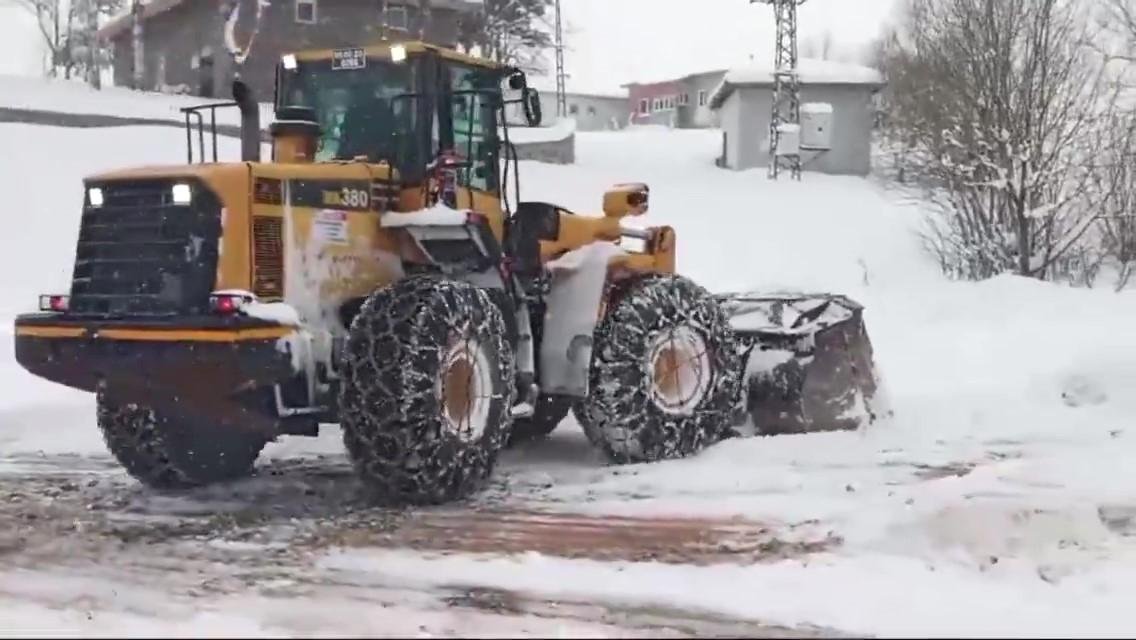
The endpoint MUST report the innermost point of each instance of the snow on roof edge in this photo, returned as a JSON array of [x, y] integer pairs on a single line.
[[809, 72]]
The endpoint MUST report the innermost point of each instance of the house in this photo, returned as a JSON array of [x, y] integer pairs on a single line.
[[594, 107], [592, 111], [837, 116], [194, 46], [681, 102]]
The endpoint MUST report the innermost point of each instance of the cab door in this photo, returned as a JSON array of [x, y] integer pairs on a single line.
[[468, 127]]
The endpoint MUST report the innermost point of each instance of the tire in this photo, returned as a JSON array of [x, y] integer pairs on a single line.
[[401, 395], [165, 451], [636, 409], [550, 412]]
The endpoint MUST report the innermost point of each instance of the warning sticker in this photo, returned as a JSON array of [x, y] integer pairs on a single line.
[[330, 227]]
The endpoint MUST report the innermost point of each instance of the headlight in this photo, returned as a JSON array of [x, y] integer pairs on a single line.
[[95, 196], [289, 61], [182, 194], [398, 53]]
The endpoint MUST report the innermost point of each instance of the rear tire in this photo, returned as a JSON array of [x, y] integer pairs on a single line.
[[166, 451], [549, 413], [427, 383], [665, 373]]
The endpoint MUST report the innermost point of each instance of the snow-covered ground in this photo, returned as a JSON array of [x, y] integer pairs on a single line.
[[998, 501], [73, 96]]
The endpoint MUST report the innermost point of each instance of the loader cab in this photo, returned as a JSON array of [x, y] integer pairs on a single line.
[[403, 104]]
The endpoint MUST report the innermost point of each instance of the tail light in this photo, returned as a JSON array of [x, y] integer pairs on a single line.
[[229, 302], [56, 303]]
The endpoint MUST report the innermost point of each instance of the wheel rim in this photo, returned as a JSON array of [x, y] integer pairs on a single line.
[[465, 389], [680, 370]]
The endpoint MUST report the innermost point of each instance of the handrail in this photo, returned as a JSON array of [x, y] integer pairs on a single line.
[[195, 111]]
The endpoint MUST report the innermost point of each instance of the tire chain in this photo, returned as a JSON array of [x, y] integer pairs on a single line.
[[391, 417], [134, 436], [618, 415]]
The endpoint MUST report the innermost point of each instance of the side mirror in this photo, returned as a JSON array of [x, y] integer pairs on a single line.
[[626, 200], [518, 81], [530, 100]]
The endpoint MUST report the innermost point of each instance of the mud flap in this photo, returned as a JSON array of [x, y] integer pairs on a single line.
[[808, 363]]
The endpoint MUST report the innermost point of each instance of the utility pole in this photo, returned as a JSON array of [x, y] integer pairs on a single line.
[[561, 78], [786, 113]]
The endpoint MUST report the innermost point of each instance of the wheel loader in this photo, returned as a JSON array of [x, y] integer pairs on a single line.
[[379, 270]]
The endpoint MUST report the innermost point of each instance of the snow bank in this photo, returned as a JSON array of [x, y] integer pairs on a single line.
[[77, 97], [555, 132]]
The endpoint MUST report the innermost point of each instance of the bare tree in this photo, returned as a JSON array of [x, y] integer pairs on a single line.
[[818, 48], [1006, 116]]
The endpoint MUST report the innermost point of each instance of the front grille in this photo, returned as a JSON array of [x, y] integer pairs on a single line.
[[141, 254], [268, 256]]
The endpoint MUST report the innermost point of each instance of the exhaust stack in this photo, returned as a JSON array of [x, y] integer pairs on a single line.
[[250, 121], [295, 135]]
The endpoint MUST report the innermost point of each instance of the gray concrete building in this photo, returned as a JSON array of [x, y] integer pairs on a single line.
[[186, 44], [593, 112], [837, 116], [594, 108]]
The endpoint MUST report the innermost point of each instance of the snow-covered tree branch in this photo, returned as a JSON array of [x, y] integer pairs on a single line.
[[1010, 125], [513, 32]]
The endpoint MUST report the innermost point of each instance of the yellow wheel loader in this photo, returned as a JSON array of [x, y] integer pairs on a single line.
[[380, 271]]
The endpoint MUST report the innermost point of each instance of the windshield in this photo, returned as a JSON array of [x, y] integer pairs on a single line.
[[368, 111]]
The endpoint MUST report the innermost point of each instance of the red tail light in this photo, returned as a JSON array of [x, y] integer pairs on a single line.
[[228, 303], [55, 303]]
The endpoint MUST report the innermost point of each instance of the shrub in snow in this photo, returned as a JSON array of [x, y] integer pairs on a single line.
[[1009, 124]]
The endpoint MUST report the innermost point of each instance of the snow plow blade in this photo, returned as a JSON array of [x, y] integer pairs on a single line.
[[808, 363]]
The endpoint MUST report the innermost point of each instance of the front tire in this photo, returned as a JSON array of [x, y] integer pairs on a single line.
[[163, 450], [426, 390], [665, 373]]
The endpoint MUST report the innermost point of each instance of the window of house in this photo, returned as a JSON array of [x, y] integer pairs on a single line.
[[306, 11], [702, 98], [591, 110], [397, 18], [574, 109], [656, 104], [644, 106]]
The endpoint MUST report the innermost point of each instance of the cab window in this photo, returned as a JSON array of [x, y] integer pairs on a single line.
[[474, 120]]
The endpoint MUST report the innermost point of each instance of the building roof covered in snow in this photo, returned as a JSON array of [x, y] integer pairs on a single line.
[[589, 87], [809, 72]]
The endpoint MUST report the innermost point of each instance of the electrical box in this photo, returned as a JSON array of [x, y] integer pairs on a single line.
[[816, 126], [789, 141]]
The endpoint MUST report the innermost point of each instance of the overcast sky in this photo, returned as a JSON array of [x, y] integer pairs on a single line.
[[612, 41]]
